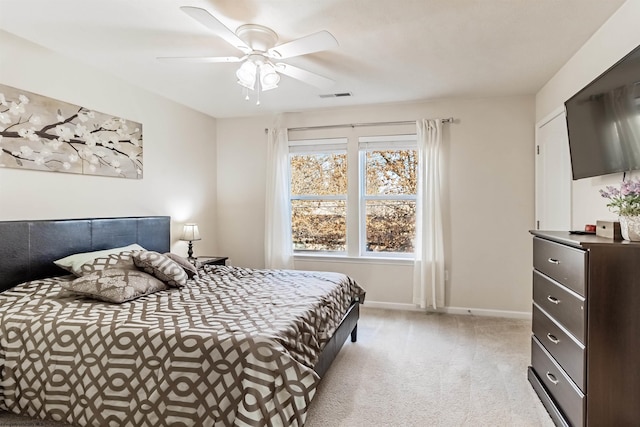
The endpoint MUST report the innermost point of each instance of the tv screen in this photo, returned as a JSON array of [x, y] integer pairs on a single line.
[[603, 121]]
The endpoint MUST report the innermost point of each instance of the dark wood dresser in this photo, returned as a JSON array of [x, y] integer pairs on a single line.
[[585, 347]]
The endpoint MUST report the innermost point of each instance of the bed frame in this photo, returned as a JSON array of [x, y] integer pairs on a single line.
[[28, 249]]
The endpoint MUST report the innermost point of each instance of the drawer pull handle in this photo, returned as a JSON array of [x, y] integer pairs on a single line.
[[553, 300], [553, 261], [552, 378], [553, 338]]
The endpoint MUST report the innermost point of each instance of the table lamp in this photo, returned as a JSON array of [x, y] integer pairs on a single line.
[[190, 233]]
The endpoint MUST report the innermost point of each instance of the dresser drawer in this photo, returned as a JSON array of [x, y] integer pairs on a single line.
[[567, 352], [565, 306], [546, 399], [566, 395], [562, 263]]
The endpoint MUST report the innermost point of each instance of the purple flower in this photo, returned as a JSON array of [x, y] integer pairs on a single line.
[[625, 201], [614, 192]]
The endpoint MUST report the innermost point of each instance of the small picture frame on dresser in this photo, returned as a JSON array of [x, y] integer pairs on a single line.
[[211, 260], [609, 229]]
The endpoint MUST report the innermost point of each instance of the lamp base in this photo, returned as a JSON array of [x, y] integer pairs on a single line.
[[190, 252]]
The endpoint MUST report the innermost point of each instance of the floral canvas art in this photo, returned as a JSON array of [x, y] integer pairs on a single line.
[[41, 133]]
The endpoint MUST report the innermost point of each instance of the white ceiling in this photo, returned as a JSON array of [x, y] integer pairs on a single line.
[[390, 51]]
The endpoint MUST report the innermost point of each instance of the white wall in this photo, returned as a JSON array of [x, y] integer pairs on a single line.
[[489, 209], [617, 37], [179, 150]]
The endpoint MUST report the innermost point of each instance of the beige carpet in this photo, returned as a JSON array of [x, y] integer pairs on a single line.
[[413, 369]]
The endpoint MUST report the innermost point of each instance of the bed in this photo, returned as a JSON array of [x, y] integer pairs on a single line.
[[235, 346]]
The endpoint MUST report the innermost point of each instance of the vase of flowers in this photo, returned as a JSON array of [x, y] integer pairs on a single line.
[[625, 201]]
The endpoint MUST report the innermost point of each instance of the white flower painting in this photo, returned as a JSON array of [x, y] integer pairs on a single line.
[[41, 133]]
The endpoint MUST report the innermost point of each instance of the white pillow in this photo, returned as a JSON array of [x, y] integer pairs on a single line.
[[73, 263]]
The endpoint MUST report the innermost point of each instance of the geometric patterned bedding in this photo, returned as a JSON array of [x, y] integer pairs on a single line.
[[235, 347]]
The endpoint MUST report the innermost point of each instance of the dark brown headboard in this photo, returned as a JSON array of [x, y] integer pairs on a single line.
[[28, 248]]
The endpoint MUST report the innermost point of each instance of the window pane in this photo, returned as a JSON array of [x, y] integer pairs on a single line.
[[319, 225], [391, 172], [391, 225], [320, 174]]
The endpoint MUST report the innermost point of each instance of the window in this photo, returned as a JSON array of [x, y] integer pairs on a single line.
[[318, 194], [388, 184], [378, 198]]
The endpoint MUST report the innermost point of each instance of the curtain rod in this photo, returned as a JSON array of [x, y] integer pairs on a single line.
[[353, 125]]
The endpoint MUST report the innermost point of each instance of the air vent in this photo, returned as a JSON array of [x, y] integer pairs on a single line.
[[335, 95]]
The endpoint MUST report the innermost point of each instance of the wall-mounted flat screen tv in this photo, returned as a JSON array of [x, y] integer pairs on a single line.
[[603, 121]]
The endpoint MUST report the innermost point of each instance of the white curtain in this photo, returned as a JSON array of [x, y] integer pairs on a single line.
[[428, 273], [278, 251]]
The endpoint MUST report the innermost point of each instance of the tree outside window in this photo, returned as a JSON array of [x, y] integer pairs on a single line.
[[383, 198], [319, 201], [390, 182]]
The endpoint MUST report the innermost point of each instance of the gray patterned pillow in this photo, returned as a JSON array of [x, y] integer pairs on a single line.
[[162, 267], [121, 260], [115, 285], [188, 268]]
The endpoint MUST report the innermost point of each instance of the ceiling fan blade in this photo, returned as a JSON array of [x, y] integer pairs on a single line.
[[322, 40], [211, 22], [304, 76], [201, 59]]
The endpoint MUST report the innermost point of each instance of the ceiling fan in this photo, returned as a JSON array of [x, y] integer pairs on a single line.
[[261, 67]]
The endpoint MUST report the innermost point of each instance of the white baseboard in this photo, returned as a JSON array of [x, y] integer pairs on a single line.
[[526, 315], [391, 305], [452, 310]]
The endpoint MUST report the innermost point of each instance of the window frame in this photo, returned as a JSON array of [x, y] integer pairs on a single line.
[[352, 142], [319, 146], [379, 143]]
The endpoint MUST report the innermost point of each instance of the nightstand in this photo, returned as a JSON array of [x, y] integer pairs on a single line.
[[211, 260]]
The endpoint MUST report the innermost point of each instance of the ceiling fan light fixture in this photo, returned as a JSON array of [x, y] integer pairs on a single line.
[[246, 75], [269, 78], [259, 45], [265, 87]]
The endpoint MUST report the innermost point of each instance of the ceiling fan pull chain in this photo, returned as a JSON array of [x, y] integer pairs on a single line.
[[258, 90]]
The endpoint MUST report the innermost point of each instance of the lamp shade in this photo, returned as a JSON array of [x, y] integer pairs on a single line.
[[269, 78], [247, 75], [190, 232]]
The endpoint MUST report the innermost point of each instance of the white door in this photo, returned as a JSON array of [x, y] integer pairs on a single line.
[[553, 174]]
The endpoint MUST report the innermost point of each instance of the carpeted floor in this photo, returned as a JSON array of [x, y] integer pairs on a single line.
[[413, 369]]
